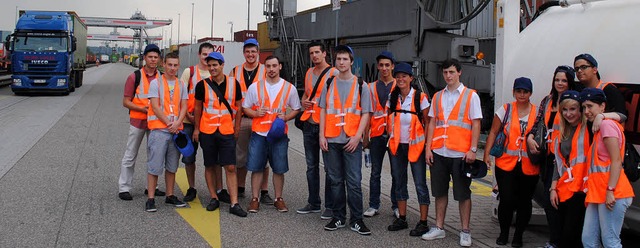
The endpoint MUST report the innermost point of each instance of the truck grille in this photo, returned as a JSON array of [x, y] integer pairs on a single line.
[[41, 68]]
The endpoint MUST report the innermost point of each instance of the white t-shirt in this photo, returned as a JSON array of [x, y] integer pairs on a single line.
[[449, 99], [523, 119], [251, 97], [405, 118]]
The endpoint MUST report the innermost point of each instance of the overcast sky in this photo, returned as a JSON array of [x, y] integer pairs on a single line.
[[225, 11]]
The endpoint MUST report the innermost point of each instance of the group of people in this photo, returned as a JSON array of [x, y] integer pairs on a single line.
[[239, 122], [579, 158]]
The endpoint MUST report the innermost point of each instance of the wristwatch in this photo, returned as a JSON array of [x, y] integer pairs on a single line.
[[609, 188], [474, 149]]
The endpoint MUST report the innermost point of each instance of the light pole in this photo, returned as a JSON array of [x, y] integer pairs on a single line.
[[178, 29], [231, 36], [248, 12], [212, 4], [191, 37]]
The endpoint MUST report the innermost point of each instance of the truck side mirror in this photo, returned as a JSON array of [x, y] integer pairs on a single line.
[[73, 44], [7, 42]]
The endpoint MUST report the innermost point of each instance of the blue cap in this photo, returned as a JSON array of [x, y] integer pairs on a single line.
[[251, 41], [276, 131], [151, 48], [386, 55], [568, 71], [523, 83], [570, 94], [592, 94], [183, 143], [404, 68], [344, 48], [588, 58], [477, 169], [215, 55]]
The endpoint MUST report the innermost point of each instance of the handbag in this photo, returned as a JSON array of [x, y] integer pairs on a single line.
[[540, 137], [298, 121], [501, 139]]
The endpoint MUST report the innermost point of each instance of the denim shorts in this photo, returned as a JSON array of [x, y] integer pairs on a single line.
[[261, 151], [162, 153], [188, 129]]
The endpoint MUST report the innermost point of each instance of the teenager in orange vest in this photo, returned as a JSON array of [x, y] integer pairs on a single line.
[[168, 98], [266, 101], [215, 127], [453, 135], [311, 129], [609, 192], [516, 176], [136, 101], [408, 109], [563, 80], [571, 147], [247, 73], [191, 76], [376, 136], [346, 107]]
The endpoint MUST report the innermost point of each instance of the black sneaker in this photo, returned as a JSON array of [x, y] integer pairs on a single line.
[[158, 192], [213, 204], [237, 210], [173, 200], [334, 224], [224, 196], [265, 198], [241, 192], [421, 228], [125, 196], [150, 206], [190, 195], [308, 209], [398, 224], [360, 228]]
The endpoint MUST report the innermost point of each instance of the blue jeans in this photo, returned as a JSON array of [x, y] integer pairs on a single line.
[[378, 148], [399, 173], [345, 168], [312, 154], [605, 224]]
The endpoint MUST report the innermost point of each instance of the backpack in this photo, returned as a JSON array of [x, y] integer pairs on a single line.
[[393, 101], [631, 163], [138, 78]]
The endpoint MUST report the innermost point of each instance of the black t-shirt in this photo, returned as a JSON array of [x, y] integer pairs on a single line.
[[222, 87], [249, 76], [615, 100]]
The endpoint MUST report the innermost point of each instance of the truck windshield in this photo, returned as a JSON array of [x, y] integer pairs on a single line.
[[40, 44]]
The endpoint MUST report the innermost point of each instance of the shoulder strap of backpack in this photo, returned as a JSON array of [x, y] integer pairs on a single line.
[[191, 73], [138, 78]]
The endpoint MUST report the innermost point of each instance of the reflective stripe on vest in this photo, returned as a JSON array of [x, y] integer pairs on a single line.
[[260, 76], [416, 130], [141, 98], [572, 173], [263, 124], [461, 125], [555, 128], [342, 117], [601, 85], [516, 144], [170, 105], [215, 115], [308, 87], [597, 180], [379, 115]]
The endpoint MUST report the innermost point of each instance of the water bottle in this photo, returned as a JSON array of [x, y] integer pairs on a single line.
[[367, 158]]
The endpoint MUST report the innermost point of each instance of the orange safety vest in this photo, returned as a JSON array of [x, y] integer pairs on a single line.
[[263, 124], [379, 116], [554, 132], [458, 125], [601, 85], [572, 172], [141, 99], [597, 180], [215, 115], [416, 131], [169, 105], [516, 143], [339, 116], [239, 70], [191, 103], [308, 87]]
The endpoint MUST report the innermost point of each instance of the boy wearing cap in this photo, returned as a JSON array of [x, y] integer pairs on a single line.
[[191, 76], [452, 140], [265, 101], [216, 120], [346, 107], [247, 73], [587, 73], [315, 78], [135, 100], [376, 136], [168, 100]]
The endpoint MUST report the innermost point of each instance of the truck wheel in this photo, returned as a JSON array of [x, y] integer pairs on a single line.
[[80, 79], [71, 83]]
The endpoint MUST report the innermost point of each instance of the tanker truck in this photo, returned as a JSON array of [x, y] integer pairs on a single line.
[[605, 29]]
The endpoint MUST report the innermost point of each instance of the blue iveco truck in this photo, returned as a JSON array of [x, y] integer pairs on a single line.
[[48, 52]]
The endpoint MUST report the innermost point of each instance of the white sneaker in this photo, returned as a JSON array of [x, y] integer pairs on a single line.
[[434, 233], [370, 212], [396, 213], [465, 239]]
